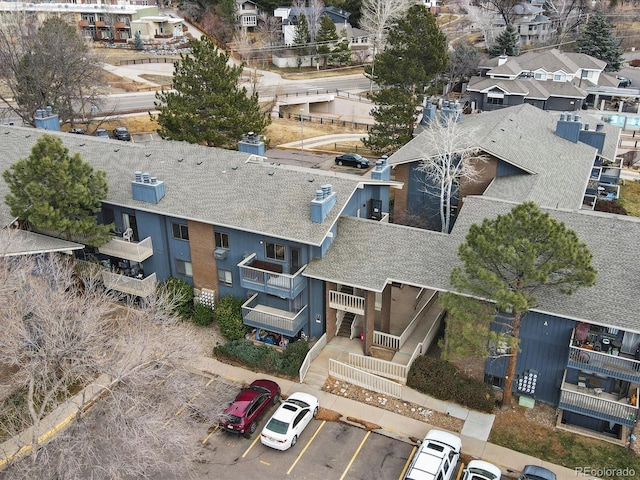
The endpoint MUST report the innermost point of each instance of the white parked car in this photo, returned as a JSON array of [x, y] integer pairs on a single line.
[[289, 420], [481, 470]]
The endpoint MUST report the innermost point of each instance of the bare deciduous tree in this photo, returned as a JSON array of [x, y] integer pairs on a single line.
[[566, 15], [377, 16], [452, 160], [483, 19], [59, 335], [47, 64]]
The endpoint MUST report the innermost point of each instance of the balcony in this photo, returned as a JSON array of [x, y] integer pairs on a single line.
[[597, 404], [262, 277], [134, 251], [604, 364], [142, 287], [273, 319], [346, 302]]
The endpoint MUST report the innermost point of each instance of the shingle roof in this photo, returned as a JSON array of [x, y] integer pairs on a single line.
[[22, 242], [555, 170], [529, 87], [210, 185], [369, 254]]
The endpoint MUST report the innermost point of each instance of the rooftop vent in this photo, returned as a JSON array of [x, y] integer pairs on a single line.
[[251, 143], [147, 188], [323, 202], [382, 170]]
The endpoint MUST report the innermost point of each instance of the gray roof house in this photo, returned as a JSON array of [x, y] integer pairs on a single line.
[[550, 80]]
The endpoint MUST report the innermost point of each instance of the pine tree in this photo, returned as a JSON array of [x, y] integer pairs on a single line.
[[301, 38], [326, 37], [52, 190], [206, 104], [416, 52], [341, 53], [506, 43], [598, 41], [138, 44], [508, 260]]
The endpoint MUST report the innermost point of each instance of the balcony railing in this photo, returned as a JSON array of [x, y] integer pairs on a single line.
[[273, 319], [134, 251], [346, 302], [598, 405], [603, 363], [262, 280], [133, 286]]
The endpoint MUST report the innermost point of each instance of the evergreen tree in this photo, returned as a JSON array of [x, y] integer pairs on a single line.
[[326, 38], [508, 260], [506, 43], [301, 38], [53, 190], [416, 52], [138, 44], [206, 104], [395, 115], [341, 53], [598, 41]]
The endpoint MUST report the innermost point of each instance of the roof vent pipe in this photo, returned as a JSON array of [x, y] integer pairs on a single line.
[[154, 180], [586, 126], [319, 195], [576, 118], [138, 175], [600, 127], [145, 177]]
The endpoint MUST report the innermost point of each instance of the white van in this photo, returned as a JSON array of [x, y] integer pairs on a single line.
[[437, 457]]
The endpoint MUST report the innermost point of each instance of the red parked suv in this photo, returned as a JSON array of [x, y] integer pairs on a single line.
[[243, 414]]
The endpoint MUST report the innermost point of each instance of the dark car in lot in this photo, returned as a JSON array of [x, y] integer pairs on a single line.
[[101, 132], [623, 82], [534, 472], [243, 414], [353, 160], [122, 133]]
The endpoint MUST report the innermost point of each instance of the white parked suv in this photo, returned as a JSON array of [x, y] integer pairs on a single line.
[[437, 457]]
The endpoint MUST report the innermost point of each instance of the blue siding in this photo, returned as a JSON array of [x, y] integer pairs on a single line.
[[544, 348], [504, 168], [177, 249]]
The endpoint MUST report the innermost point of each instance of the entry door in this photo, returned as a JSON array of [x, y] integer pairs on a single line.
[[294, 260]]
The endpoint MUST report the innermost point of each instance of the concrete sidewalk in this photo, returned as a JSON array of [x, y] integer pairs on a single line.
[[391, 424]]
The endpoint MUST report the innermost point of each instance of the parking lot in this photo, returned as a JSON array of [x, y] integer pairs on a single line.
[[325, 450]]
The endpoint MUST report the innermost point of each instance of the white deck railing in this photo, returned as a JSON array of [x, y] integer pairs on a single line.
[[395, 342], [346, 302], [360, 378], [312, 354], [133, 286], [272, 319], [598, 403], [135, 251]]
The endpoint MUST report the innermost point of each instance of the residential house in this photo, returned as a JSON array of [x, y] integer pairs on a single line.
[[312, 251], [106, 22], [550, 80], [247, 12]]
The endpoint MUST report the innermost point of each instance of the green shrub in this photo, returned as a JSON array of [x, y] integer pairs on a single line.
[[228, 313], [264, 358], [293, 356], [202, 315], [181, 294], [442, 380]]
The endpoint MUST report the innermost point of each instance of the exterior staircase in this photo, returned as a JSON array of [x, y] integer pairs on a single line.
[[345, 326]]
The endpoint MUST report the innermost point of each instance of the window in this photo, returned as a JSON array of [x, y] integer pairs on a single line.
[[184, 268], [559, 77], [539, 76], [275, 251], [222, 240], [180, 232], [495, 101], [224, 276]]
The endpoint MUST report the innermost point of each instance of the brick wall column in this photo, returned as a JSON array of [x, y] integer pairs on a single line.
[[385, 313], [331, 313], [369, 320]]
